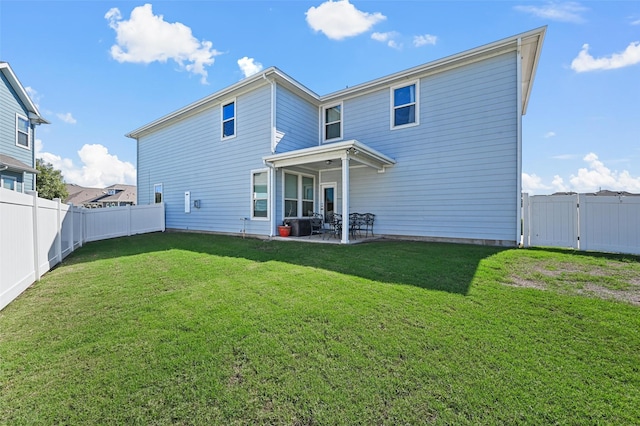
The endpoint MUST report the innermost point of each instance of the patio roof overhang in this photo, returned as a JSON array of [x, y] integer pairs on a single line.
[[9, 163], [319, 157], [322, 157]]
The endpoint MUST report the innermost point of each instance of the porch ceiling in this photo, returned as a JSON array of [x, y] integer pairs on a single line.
[[317, 157]]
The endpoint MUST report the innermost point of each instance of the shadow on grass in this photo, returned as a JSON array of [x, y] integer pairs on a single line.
[[620, 257], [436, 266]]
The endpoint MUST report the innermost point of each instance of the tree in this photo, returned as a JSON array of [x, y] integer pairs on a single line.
[[49, 182]]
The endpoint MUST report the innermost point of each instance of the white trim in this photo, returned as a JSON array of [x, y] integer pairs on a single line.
[[520, 108], [345, 198], [268, 199], [330, 151], [22, 117], [323, 185], [34, 114], [392, 107], [235, 118], [324, 122]]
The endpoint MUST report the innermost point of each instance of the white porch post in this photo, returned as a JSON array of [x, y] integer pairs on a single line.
[[345, 199]]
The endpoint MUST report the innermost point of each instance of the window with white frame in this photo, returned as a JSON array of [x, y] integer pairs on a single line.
[[157, 193], [9, 182], [229, 120], [298, 195], [23, 131], [404, 105], [333, 122], [260, 194]]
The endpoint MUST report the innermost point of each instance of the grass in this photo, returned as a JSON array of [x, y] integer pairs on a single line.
[[199, 329]]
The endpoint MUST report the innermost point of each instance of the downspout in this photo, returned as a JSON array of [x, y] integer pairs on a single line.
[[519, 141]]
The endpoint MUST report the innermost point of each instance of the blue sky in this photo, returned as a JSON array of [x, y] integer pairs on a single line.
[[99, 69]]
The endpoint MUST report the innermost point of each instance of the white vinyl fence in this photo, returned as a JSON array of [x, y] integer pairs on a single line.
[[584, 222], [36, 234]]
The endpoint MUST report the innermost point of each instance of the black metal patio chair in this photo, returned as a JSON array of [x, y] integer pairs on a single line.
[[317, 224], [369, 218]]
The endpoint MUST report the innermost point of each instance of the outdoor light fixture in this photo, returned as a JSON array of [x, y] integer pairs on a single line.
[[328, 162]]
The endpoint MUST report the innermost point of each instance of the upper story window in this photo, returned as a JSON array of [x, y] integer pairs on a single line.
[[23, 132], [404, 102], [229, 120], [333, 122]]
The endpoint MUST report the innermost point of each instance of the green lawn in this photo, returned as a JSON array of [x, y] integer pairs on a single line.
[[183, 328]]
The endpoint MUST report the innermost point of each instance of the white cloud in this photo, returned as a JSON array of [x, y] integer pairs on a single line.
[[532, 183], [563, 12], [636, 22], [592, 178], [394, 44], [147, 38], [382, 37], [585, 62], [249, 66], [340, 19], [67, 118], [423, 40], [549, 135], [387, 38], [598, 176], [99, 168], [558, 184]]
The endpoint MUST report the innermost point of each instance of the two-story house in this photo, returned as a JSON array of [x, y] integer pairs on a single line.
[[18, 120], [433, 151]]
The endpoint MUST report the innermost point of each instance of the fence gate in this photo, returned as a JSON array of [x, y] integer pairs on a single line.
[[584, 222]]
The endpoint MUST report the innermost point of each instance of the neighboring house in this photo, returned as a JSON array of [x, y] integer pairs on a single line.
[[434, 151], [18, 120], [602, 193], [111, 196]]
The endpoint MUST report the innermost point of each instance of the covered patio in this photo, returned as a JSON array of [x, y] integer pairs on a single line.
[[347, 154]]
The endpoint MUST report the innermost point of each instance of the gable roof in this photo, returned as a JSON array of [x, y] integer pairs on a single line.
[[34, 114], [79, 195], [529, 44]]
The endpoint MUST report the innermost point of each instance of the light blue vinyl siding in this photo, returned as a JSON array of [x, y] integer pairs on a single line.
[[189, 156], [298, 119], [455, 175], [10, 105]]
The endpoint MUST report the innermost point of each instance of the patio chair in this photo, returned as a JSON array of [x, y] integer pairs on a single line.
[[356, 224], [368, 223], [317, 225], [334, 220]]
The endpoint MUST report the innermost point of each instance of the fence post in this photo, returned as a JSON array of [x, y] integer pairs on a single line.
[[58, 230], [526, 220], [581, 212], [36, 248], [72, 211], [129, 214]]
